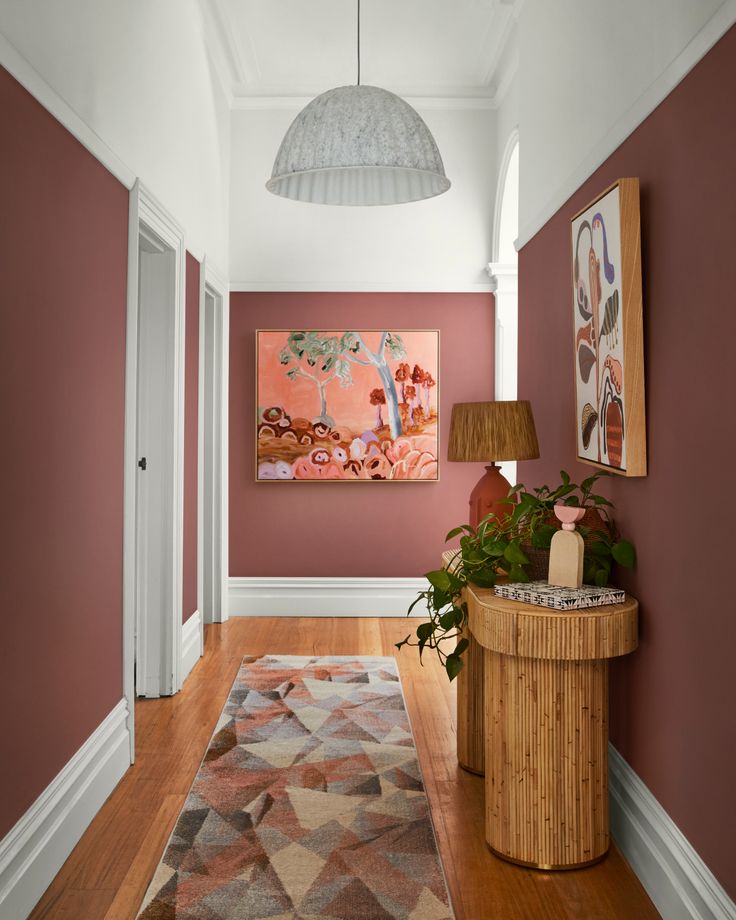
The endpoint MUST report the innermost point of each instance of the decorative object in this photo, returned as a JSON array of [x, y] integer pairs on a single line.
[[496, 547], [566, 549], [347, 406], [491, 431], [543, 594], [309, 802], [608, 333], [546, 728], [358, 145]]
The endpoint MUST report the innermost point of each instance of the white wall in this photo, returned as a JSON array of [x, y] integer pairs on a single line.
[[590, 71], [440, 244], [137, 73]]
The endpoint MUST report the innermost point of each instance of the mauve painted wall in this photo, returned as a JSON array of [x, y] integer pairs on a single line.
[[63, 245], [191, 430], [352, 529], [672, 702]]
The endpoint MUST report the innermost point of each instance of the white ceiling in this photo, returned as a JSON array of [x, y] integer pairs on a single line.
[[273, 51]]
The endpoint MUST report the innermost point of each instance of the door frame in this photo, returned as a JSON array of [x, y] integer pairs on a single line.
[[213, 497], [145, 211]]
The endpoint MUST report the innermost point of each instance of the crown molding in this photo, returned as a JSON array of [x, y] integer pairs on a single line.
[[639, 111]]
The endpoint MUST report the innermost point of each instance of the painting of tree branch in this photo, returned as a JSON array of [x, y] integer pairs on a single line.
[[609, 351], [347, 405]]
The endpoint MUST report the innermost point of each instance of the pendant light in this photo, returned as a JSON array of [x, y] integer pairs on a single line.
[[358, 145]]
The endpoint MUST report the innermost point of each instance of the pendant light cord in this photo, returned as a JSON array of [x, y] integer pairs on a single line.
[[358, 42]]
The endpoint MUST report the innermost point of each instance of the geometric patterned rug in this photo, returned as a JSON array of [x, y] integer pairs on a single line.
[[308, 805]]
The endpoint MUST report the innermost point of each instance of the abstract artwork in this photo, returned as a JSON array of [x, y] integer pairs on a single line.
[[609, 349], [309, 804], [347, 405]]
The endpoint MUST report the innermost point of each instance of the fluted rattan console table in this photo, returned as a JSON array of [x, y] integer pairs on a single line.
[[542, 689]]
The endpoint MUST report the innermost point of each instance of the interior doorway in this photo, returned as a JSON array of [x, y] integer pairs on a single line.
[[213, 461], [154, 430]]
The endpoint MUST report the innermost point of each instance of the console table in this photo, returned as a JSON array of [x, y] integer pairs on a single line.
[[541, 685]]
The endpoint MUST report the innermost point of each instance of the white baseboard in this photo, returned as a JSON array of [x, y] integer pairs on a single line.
[[323, 597], [674, 876], [191, 643], [35, 849]]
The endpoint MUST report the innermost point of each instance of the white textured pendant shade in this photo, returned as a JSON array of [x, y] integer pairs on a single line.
[[358, 145]]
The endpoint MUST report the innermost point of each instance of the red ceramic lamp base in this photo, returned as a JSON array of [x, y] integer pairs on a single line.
[[487, 495]]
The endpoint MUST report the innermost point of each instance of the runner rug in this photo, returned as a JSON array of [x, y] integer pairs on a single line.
[[309, 804]]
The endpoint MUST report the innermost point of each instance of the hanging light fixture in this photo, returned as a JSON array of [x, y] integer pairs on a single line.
[[358, 145]]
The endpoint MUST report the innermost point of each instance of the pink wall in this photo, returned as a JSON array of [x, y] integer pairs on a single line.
[[673, 700], [63, 239], [352, 529], [191, 429]]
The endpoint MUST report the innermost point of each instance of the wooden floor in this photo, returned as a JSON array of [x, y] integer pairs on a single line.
[[107, 874]]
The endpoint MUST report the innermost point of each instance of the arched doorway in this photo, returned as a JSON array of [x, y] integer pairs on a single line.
[[504, 277]]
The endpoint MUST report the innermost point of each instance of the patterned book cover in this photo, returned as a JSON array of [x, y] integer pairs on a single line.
[[544, 594]]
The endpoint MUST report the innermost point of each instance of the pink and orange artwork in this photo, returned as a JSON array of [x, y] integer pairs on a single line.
[[347, 405]]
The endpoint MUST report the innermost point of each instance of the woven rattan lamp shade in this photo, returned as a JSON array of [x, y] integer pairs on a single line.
[[492, 431]]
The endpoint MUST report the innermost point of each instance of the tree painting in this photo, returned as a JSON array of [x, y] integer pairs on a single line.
[[347, 404], [391, 345], [378, 399], [325, 359]]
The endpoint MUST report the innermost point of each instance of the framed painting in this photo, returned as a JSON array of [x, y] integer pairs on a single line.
[[347, 405], [608, 332]]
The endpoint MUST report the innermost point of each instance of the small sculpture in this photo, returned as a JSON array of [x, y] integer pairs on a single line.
[[566, 550]]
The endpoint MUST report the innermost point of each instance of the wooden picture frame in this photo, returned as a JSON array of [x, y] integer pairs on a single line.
[[608, 332], [347, 406]]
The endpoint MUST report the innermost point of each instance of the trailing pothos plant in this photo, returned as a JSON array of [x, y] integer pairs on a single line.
[[497, 548]]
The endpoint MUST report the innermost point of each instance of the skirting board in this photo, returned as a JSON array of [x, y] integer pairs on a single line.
[[674, 876], [323, 597], [35, 849], [191, 643]]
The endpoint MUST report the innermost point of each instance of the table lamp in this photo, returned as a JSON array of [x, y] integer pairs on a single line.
[[491, 432]]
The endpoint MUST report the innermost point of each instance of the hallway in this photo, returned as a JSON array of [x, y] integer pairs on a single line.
[[107, 874]]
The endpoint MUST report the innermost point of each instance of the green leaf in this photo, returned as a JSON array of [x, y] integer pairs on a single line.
[[517, 573], [485, 579], [453, 666], [624, 553], [447, 620], [461, 646], [424, 631], [403, 642], [599, 548], [439, 579], [542, 536], [601, 578], [440, 599], [495, 547], [456, 531], [514, 554]]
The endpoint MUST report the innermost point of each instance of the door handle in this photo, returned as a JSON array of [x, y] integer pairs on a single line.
[[142, 463]]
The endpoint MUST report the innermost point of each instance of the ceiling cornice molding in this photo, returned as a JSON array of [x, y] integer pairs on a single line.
[[495, 43], [222, 43], [236, 64]]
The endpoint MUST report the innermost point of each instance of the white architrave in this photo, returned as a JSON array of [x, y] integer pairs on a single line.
[[508, 151], [214, 441], [145, 212]]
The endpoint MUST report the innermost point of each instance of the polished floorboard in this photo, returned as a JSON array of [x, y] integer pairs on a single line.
[[108, 872]]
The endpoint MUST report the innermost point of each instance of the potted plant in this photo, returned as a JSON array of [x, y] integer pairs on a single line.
[[504, 546]]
